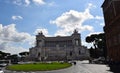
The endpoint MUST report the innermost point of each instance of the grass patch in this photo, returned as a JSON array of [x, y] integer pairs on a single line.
[[38, 66]]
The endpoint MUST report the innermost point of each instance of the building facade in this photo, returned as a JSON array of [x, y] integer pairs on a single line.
[[58, 48], [111, 11]]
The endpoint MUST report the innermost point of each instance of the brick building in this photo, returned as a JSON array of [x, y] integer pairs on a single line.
[[111, 11]]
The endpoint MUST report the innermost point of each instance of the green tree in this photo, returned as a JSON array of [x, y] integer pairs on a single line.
[[102, 44], [99, 44], [4, 55], [24, 54], [92, 39], [14, 58]]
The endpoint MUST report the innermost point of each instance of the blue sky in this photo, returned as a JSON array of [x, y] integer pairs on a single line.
[[21, 20]]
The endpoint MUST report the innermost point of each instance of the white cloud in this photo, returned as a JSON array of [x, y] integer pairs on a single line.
[[52, 4], [27, 2], [17, 2], [9, 33], [14, 50], [99, 17], [94, 33], [31, 41], [9, 36], [40, 2], [71, 20], [1, 28], [102, 24], [90, 5], [21, 2], [17, 17], [43, 30], [87, 44]]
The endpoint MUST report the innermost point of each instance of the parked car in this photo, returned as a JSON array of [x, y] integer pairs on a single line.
[[73, 62], [1, 71], [100, 60], [3, 64]]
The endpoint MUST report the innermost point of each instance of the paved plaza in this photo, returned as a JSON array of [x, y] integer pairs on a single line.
[[80, 67]]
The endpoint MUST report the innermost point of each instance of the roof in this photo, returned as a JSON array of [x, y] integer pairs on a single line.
[[58, 38]]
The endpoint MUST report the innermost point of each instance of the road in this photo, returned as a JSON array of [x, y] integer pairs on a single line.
[[80, 67]]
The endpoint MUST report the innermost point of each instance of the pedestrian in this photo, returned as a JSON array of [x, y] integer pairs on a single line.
[[74, 63]]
